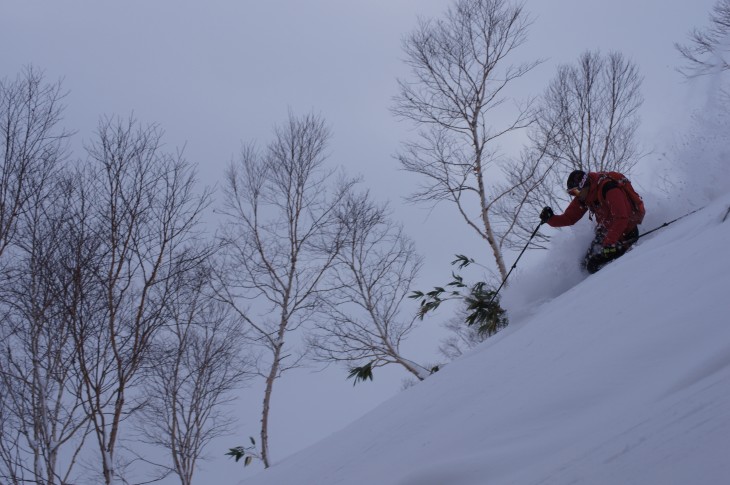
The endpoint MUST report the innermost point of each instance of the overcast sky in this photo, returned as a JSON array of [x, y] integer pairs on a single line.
[[216, 73]]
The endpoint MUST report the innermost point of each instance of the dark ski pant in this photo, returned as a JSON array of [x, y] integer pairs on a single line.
[[595, 259]]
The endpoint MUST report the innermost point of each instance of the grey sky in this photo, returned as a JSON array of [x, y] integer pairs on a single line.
[[216, 73]]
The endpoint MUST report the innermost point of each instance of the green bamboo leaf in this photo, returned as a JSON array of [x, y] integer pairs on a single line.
[[462, 261], [237, 452], [361, 373]]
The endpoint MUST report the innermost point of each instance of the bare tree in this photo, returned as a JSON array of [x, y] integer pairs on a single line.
[[373, 274], [40, 414], [198, 362], [528, 185], [145, 218], [13, 469], [461, 337], [707, 51], [281, 236], [589, 114], [31, 144], [36, 363], [587, 120], [459, 86]]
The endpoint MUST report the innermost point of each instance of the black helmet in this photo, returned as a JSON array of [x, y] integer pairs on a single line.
[[577, 179]]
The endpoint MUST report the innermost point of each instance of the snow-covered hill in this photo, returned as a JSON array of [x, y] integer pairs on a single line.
[[624, 378]]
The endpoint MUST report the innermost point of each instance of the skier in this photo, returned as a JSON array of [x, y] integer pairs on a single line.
[[618, 210]]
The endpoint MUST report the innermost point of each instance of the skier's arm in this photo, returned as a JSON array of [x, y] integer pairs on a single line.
[[572, 214], [620, 212]]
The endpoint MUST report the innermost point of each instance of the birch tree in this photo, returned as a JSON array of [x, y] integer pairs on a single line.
[[281, 236], [145, 217], [41, 391], [32, 144], [456, 96], [366, 322], [707, 50], [586, 120], [199, 360], [589, 114], [40, 416]]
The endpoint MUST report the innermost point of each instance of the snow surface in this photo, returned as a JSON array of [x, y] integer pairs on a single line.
[[622, 377]]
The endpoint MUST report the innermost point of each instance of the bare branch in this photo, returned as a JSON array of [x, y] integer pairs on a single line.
[[707, 51], [144, 216], [458, 89], [280, 239], [587, 120], [198, 362], [31, 144], [373, 275]]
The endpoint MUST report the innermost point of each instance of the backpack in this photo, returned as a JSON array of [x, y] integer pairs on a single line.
[[624, 184]]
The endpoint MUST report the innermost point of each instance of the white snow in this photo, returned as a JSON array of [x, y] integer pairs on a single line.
[[622, 377]]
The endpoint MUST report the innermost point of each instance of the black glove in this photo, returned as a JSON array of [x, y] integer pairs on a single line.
[[546, 214]]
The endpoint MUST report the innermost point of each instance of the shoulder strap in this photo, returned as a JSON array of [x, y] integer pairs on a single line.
[[610, 184], [616, 180]]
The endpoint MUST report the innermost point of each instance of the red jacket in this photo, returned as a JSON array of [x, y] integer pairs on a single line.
[[611, 207]]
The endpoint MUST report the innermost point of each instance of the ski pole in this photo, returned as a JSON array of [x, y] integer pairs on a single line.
[[632, 241], [515, 263]]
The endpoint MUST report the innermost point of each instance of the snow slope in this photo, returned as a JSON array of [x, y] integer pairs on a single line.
[[624, 378]]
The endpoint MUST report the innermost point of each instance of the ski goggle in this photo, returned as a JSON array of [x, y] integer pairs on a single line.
[[575, 191]]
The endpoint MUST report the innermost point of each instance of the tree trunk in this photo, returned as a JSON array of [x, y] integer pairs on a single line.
[[489, 233], [267, 403]]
